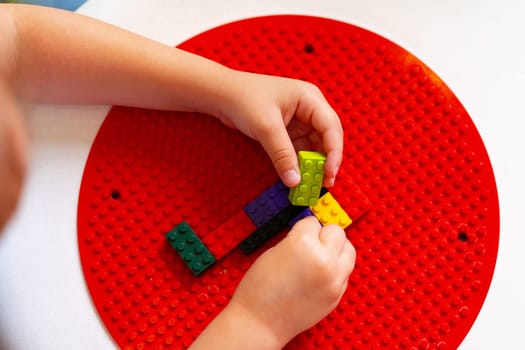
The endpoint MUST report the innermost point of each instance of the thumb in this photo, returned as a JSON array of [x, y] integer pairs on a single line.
[[277, 144]]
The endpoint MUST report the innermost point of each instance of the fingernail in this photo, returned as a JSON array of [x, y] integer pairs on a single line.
[[291, 178]]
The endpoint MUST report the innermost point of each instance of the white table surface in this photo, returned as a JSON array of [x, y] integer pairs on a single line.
[[476, 47]]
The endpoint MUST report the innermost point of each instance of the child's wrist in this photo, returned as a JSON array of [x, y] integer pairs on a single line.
[[262, 333], [224, 96]]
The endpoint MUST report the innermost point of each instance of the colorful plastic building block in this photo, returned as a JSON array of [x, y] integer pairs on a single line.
[[268, 204], [328, 211], [190, 248], [229, 234], [306, 211], [350, 196], [269, 229], [311, 165]]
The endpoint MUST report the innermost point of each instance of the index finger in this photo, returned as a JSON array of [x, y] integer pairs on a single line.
[[315, 110], [327, 123]]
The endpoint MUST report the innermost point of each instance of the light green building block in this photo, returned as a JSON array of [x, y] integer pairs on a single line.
[[311, 165]]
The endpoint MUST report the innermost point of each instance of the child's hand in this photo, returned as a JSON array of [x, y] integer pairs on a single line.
[[282, 113], [295, 284], [287, 290]]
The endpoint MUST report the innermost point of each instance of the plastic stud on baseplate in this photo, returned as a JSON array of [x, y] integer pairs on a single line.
[[311, 165], [190, 248]]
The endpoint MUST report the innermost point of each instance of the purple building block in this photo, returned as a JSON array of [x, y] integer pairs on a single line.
[[304, 213], [268, 204]]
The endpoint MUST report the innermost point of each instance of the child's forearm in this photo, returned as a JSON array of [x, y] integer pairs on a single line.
[[235, 328], [63, 57]]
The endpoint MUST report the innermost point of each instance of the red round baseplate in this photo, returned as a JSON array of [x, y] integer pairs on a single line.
[[426, 250]]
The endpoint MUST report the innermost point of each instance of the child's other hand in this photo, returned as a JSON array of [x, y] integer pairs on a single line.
[[296, 283], [282, 113]]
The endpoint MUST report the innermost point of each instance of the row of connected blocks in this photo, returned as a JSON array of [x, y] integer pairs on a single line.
[[271, 212]]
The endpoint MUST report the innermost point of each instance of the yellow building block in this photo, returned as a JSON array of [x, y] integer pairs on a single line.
[[328, 211]]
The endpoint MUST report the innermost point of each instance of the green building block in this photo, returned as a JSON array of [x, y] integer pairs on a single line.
[[190, 248], [311, 165]]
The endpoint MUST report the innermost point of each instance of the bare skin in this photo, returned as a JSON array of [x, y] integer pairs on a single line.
[[291, 286], [286, 291], [13, 138], [13, 154]]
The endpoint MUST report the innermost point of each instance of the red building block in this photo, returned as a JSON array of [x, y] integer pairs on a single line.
[[229, 234], [350, 196]]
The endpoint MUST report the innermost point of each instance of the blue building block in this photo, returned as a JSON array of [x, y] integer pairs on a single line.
[[268, 204], [190, 248]]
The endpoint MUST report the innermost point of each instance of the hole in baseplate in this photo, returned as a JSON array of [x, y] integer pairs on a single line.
[[115, 194], [308, 48], [462, 236]]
